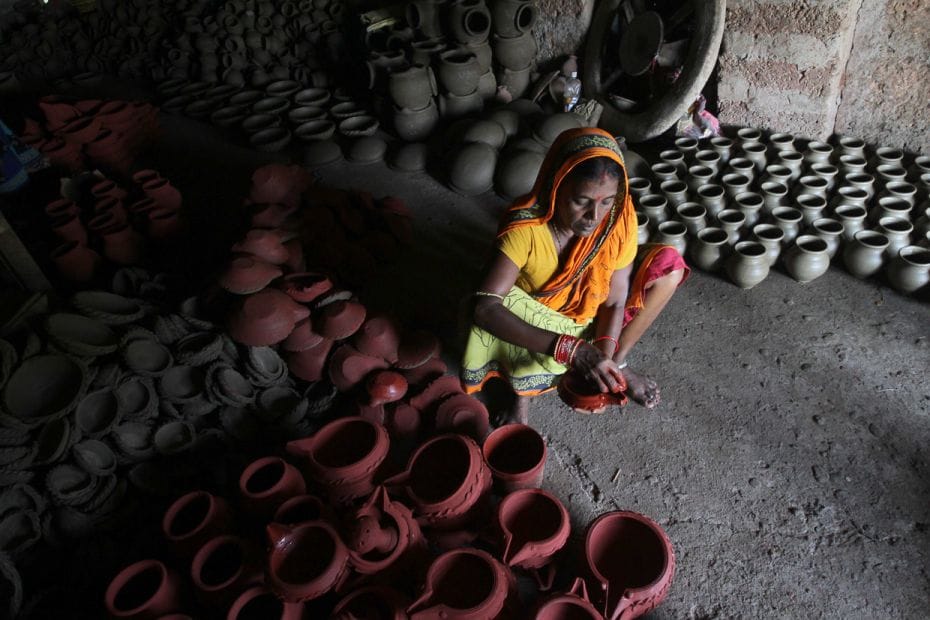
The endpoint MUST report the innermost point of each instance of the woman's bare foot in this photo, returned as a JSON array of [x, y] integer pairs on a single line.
[[641, 389]]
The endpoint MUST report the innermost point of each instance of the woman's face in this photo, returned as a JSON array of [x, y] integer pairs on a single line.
[[582, 204]]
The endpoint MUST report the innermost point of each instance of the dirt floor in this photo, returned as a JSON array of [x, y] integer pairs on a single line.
[[788, 460]]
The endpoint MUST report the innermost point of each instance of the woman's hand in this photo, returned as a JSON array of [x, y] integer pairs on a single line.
[[599, 369]]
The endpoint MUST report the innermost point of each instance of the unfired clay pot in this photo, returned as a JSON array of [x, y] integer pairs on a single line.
[[748, 265], [709, 249], [807, 259], [909, 271]]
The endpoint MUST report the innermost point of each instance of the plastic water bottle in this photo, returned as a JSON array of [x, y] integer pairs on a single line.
[[572, 92]]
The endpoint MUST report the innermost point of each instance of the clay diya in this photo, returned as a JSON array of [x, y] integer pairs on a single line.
[[222, 568], [631, 560], [384, 602], [534, 526], [248, 274], [193, 519], [267, 483], [463, 414], [306, 561], [80, 335], [340, 319], [348, 367], [432, 369], [260, 603], [384, 536], [302, 337], [516, 454], [145, 589], [306, 287], [265, 318], [378, 337], [572, 605], [464, 584], [343, 457], [585, 398], [385, 386]]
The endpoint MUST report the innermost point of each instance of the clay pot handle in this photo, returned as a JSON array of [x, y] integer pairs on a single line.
[[580, 589], [545, 576]]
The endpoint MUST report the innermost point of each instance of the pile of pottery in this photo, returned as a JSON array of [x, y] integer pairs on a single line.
[[339, 530], [107, 133], [744, 204], [238, 42], [449, 70], [114, 222]]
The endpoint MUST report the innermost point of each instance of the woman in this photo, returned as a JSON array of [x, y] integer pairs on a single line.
[[566, 268]]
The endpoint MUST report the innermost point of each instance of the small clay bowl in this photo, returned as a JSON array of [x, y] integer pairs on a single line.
[[271, 105], [81, 335], [340, 319], [258, 122], [312, 96], [359, 126], [270, 140], [97, 413], [95, 457], [315, 130], [303, 114]]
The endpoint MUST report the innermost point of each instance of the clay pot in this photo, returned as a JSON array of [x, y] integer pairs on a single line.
[[693, 215], [534, 527], [807, 259], [909, 271], [266, 484], [389, 603], [750, 205], [463, 414], [516, 454], [265, 318], [469, 21], [472, 169], [455, 106], [515, 81], [780, 174], [511, 18], [145, 589], [260, 603], [771, 237], [864, 255], [851, 146], [583, 397], [414, 125], [655, 206], [247, 275], [424, 15], [748, 135], [789, 220], [828, 173], [315, 130], [631, 561], [458, 71], [852, 218], [830, 231], [748, 265], [710, 249], [367, 150], [675, 191], [79, 335], [708, 158], [163, 193], [340, 319], [515, 51], [123, 245], [811, 206], [713, 198], [672, 233], [890, 206], [301, 509], [306, 561], [384, 537], [307, 364], [193, 519], [516, 173], [743, 166], [774, 195], [412, 87], [76, 262], [731, 221], [343, 457], [724, 147], [222, 568], [639, 187], [357, 126], [898, 231], [378, 337], [792, 160], [865, 182], [463, 584], [573, 605]]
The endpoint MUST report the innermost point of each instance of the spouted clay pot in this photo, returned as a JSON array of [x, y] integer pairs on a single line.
[[463, 584], [145, 589], [306, 561], [534, 526], [516, 454]]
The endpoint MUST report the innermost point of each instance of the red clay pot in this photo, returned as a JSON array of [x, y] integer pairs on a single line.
[[146, 590], [111, 149], [306, 561], [76, 262], [385, 537], [260, 603], [348, 367], [446, 481], [123, 245], [295, 256], [572, 605], [301, 509], [583, 398], [267, 483], [435, 392], [463, 414], [106, 188], [222, 568], [378, 337], [265, 318], [248, 274], [69, 228], [385, 386], [267, 245], [308, 364], [103, 222], [433, 369], [340, 319], [516, 454], [58, 114], [402, 421], [377, 602], [463, 584], [343, 457], [631, 562], [534, 526], [163, 193], [416, 348], [193, 519], [306, 287]]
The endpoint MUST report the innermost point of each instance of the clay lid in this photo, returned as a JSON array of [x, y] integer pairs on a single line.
[[307, 286], [378, 337], [463, 414], [385, 386], [340, 319], [416, 348], [348, 367], [308, 364]]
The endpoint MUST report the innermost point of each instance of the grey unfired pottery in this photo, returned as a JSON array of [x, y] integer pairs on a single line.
[[414, 125], [909, 271], [748, 265], [458, 71], [807, 259], [367, 150], [864, 255], [44, 387], [471, 170], [487, 131], [516, 173], [410, 157], [709, 249]]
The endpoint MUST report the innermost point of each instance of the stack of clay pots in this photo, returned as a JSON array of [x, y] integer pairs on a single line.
[[746, 203], [107, 134], [115, 223], [363, 516]]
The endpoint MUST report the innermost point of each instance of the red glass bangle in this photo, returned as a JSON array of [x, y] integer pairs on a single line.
[[565, 346], [611, 338]]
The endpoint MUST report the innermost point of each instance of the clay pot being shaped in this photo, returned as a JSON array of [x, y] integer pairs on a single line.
[[807, 259], [379, 602], [511, 18], [306, 561], [343, 457], [748, 265], [260, 603], [445, 480], [145, 589], [469, 21], [193, 519], [909, 271], [631, 560], [458, 71], [516, 454], [463, 584], [222, 568], [265, 318], [463, 414], [572, 605], [710, 249], [266, 484], [534, 526], [384, 536]]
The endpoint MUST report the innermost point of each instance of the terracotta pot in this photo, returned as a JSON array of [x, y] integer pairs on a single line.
[[534, 526], [223, 568], [193, 519], [266, 484], [748, 265], [463, 414], [771, 237], [145, 589], [807, 259], [709, 250], [414, 125], [306, 561], [378, 337], [389, 603], [260, 603], [463, 584], [308, 364], [516, 454], [631, 561], [909, 271], [343, 457], [265, 318], [384, 538], [573, 605]]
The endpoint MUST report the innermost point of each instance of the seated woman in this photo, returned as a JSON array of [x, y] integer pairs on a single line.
[[567, 268]]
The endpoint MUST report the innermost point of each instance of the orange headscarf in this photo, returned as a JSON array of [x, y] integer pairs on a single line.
[[578, 290]]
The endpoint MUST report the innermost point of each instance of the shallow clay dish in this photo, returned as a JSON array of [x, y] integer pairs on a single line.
[[348, 367], [107, 307], [81, 335], [340, 319], [44, 387], [583, 398]]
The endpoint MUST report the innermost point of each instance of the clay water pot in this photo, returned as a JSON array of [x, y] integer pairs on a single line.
[[655, 206], [731, 221], [222, 568], [781, 142], [811, 206], [741, 165], [379, 602], [516, 51], [748, 265], [675, 191], [463, 584], [471, 171], [303, 114], [672, 233], [260, 603], [862, 180], [511, 18], [807, 259], [849, 195], [516, 81], [889, 156], [828, 173], [693, 215], [771, 237], [145, 589], [755, 152], [458, 72], [909, 271], [414, 125], [463, 414], [631, 561], [453, 106], [534, 526], [774, 195], [266, 484], [852, 217], [573, 605], [724, 147], [792, 160], [469, 21], [675, 158], [708, 158], [779, 174], [831, 231], [424, 15], [193, 519], [265, 318], [890, 206], [864, 255], [713, 198], [709, 249], [367, 150], [516, 454], [343, 457], [306, 561], [516, 173], [851, 146], [735, 184], [899, 190], [789, 220], [80, 336], [446, 481], [270, 140], [639, 187], [664, 171], [852, 164], [698, 176]]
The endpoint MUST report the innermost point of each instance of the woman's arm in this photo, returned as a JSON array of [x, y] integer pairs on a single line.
[[610, 314]]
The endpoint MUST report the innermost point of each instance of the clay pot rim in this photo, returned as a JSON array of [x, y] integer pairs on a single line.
[[908, 252], [716, 232], [519, 494], [810, 244], [872, 239], [126, 575], [750, 249], [643, 520], [202, 555]]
